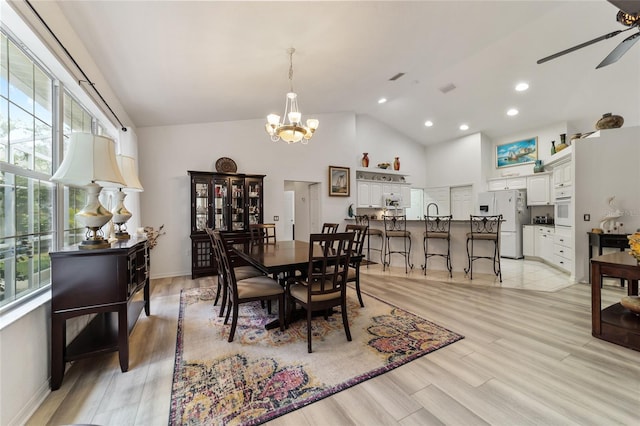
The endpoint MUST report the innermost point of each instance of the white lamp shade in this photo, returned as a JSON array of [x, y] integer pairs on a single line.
[[128, 170], [90, 158]]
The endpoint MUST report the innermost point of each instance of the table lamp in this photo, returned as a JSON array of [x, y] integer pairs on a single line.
[[91, 162], [120, 213]]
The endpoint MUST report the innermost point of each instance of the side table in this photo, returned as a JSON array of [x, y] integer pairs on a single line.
[[614, 323], [101, 282]]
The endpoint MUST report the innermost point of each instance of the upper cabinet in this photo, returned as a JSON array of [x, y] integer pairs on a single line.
[[376, 185], [562, 174], [538, 189], [500, 184]]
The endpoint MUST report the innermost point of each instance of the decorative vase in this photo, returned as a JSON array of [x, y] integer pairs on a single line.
[[561, 147], [553, 147], [365, 159], [396, 163], [609, 121], [538, 167]]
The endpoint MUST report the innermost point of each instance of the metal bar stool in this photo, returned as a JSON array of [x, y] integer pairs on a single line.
[[439, 228], [396, 227], [484, 228], [364, 220]]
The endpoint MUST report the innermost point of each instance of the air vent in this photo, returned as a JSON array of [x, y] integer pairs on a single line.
[[397, 76], [447, 88]]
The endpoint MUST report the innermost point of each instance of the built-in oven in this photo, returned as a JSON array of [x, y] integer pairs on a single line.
[[563, 207]]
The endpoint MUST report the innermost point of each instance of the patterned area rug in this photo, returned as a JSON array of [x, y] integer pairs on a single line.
[[264, 374]]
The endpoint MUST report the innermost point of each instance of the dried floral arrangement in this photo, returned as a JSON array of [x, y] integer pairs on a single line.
[[153, 235]]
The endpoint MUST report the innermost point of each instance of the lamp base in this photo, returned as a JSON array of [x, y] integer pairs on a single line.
[[94, 240], [123, 235], [94, 244]]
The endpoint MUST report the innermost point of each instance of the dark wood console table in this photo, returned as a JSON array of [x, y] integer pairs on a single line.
[[619, 241], [101, 282], [615, 324]]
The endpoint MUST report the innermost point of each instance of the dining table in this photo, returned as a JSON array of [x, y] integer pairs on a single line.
[[281, 260]]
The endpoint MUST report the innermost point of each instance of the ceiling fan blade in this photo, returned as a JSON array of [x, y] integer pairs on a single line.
[[631, 7], [580, 46], [620, 50]]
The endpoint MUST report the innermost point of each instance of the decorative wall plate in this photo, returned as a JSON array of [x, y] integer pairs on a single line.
[[226, 165]]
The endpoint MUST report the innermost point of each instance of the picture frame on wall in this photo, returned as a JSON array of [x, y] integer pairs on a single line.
[[517, 153], [339, 181]]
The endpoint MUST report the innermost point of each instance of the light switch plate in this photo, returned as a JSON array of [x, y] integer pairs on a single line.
[[276, 218], [587, 217]]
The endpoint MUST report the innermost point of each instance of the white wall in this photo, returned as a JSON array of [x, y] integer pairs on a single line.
[[455, 163], [167, 153], [605, 166]]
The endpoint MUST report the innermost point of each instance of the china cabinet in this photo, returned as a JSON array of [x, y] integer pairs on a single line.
[[224, 201]]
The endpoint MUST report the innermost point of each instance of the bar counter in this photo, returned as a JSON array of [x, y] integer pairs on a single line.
[[459, 230]]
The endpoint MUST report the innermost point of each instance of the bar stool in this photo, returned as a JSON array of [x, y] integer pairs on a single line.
[[364, 220], [396, 227], [438, 228], [484, 228]]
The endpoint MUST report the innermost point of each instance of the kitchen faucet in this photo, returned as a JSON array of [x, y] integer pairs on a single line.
[[435, 205]]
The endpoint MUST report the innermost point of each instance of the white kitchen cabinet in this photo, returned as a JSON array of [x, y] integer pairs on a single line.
[[405, 192], [562, 174], [544, 243], [538, 190], [369, 194], [563, 249], [528, 240], [518, 182]]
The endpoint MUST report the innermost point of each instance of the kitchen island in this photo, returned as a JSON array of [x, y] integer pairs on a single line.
[[459, 260]]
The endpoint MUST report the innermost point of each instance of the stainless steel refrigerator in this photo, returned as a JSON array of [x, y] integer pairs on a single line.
[[512, 205]]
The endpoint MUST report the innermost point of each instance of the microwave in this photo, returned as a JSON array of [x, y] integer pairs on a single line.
[[564, 211]]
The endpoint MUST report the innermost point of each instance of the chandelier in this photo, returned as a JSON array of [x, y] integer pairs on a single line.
[[294, 131]]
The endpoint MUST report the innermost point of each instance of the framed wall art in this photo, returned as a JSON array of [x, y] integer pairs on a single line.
[[339, 181], [517, 153]]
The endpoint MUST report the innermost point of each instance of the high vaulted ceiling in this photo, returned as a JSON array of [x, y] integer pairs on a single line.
[[179, 62]]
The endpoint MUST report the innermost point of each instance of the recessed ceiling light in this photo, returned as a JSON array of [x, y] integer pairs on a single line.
[[521, 87], [428, 123], [512, 112], [382, 100], [464, 127]]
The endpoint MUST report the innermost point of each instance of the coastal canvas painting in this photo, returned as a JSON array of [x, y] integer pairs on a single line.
[[517, 153]]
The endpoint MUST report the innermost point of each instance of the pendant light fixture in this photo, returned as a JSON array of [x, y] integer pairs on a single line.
[[294, 131]]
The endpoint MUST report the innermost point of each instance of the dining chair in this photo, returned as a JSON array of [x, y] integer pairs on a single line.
[[438, 228], [263, 233], [329, 228], [484, 228], [326, 283], [353, 275], [261, 288], [241, 272]]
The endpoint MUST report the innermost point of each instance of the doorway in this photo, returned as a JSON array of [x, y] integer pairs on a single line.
[[302, 203]]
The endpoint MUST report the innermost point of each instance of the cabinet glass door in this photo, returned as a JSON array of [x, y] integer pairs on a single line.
[[220, 205], [237, 205], [202, 193], [254, 194]]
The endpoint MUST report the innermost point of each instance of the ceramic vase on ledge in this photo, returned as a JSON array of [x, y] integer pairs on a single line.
[[396, 163], [365, 159]]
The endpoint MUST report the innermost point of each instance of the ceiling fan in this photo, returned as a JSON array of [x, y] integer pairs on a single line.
[[628, 15]]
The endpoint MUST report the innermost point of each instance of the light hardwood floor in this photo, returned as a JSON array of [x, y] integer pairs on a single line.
[[528, 357]]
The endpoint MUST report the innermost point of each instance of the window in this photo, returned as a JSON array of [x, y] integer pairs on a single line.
[[26, 162], [31, 222]]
